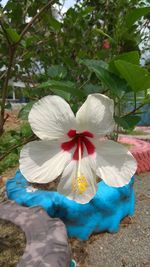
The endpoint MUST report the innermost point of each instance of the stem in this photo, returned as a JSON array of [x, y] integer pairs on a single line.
[[84, 84], [12, 50], [31, 138], [135, 109]]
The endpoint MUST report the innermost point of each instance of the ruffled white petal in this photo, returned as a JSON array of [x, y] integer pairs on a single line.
[[43, 161], [69, 186], [51, 118], [115, 164], [96, 115]]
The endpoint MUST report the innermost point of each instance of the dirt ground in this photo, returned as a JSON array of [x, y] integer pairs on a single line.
[[12, 244], [12, 121]]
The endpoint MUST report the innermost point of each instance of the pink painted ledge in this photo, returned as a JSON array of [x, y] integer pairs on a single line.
[[140, 150]]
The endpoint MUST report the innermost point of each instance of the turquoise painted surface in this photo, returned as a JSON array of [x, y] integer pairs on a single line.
[[103, 213]]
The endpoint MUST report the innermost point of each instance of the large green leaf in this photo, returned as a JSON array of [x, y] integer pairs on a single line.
[[13, 35], [136, 14], [65, 95], [92, 63], [57, 72], [132, 57], [111, 81], [65, 86], [128, 122], [93, 88], [137, 77]]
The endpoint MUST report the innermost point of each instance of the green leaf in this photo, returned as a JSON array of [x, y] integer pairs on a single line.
[[65, 86], [86, 11], [128, 122], [10, 161], [24, 112], [113, 82], [92, 88], [74, 107], [25, 130], [65, 95], [57, 71], [137, 77], [55, 24], [90, 63], [104, 34], [132, 57], [13, 35], [135, 14]]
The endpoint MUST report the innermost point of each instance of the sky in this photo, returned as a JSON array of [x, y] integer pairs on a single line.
[[3, 2], [69, 3]]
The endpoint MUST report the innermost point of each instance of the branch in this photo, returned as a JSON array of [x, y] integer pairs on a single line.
[[3, 75], [34, 19], [135, 109], [31, 138], [5, 87]]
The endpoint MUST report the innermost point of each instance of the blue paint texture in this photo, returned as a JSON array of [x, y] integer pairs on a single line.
[[103, 213]]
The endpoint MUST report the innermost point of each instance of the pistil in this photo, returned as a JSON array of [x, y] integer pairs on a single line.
[[79, 184]]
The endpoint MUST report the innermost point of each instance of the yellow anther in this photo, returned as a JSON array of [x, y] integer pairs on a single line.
[[79, 184]]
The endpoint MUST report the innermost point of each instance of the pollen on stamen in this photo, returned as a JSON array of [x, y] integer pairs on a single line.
[[79, 184]]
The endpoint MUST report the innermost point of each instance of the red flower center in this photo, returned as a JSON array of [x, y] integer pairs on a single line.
[[79, 142]]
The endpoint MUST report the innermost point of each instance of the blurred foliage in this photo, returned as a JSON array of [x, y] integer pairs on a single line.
[[11, 141], [92, 48]]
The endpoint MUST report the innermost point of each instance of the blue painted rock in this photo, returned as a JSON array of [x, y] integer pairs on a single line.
[[103, 213]]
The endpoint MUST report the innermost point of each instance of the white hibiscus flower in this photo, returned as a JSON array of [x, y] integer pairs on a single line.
[[71, 147]]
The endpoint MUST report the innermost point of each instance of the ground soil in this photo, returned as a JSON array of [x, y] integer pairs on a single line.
[[12, 244], [12, 121], [12, 238]]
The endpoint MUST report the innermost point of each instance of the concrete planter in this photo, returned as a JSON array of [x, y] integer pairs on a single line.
[[103, 213], [46, 238], [141, 152]]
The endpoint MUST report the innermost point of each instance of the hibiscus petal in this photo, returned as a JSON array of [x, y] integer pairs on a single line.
[[83, 189], [96, 115], [43, 161], [51, 118], [115, 164]]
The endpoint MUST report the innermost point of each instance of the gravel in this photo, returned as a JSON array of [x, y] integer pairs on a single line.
[[130, 247]]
